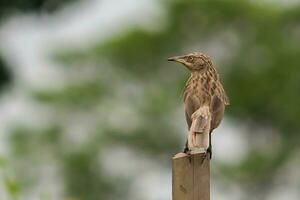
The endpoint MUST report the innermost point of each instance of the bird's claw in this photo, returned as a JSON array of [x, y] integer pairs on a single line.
[[205, 153], [209, 151], [189, 155]]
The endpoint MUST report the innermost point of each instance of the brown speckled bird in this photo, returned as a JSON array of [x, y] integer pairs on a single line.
[[204, 101]]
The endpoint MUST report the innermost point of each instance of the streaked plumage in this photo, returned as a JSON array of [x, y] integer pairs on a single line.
[[204, 97]]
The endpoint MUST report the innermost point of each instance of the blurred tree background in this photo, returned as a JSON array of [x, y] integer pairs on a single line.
[[120, 105]]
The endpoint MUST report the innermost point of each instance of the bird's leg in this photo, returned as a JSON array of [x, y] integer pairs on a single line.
[[209, 150], [187, 151], [186, 148]]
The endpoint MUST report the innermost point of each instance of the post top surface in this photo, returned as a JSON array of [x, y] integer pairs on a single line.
[[181, 155]]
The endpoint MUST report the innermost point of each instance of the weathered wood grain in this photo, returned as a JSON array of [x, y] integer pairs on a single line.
[[191, 177]]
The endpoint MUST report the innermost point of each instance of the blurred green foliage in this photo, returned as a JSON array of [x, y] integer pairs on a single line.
[[11, 187], [77, 95], [261, 76]]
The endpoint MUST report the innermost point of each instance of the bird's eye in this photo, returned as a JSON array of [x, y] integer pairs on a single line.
[[190, 58]]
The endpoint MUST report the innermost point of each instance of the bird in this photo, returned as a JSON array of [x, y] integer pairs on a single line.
[[204, 101]]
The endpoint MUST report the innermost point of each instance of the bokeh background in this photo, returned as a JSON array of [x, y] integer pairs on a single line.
[[91, 110]]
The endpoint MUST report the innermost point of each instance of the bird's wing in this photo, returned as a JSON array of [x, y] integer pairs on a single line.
[[217, 109], [190, 107], [221, 94]]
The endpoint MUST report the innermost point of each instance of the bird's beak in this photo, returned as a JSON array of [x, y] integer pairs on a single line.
[[179, 59]]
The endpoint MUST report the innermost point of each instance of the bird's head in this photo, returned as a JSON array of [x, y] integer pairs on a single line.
[[193, 61]]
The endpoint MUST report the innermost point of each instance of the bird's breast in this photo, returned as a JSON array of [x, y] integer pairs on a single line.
[[198, 94]]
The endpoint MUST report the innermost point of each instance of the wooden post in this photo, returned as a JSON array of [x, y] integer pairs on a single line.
[[191, 177]]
